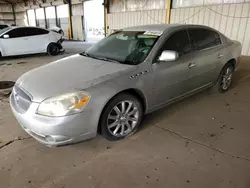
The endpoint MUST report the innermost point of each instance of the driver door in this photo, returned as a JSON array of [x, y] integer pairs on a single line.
[[171, 77], [17, 42]]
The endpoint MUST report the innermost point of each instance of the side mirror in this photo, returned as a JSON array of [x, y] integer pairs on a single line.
[[168, 55], [6, 36]]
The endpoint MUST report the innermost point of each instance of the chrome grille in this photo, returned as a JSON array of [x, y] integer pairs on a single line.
[[20, 99]]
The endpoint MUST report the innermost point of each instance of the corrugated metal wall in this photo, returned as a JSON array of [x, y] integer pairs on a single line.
[[231, 19], [127, 19], [127, 13], [136, 5], [192, 3]]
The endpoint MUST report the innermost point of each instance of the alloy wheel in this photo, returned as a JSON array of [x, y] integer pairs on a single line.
[[227, 78], [122, 118]]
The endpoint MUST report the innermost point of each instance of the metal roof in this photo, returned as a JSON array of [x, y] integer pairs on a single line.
[[10, 1]]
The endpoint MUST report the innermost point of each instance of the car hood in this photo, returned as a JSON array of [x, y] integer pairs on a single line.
[[70, 74]]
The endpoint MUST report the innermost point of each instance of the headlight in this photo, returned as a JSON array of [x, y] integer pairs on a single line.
[[62, 105]]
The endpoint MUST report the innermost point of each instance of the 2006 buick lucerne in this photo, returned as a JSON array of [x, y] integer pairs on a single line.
[[109, 87]]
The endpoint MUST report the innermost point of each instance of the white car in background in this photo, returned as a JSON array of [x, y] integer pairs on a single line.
[[29, 40]]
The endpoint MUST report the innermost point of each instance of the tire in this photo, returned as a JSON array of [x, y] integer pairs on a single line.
[[53, 49], [118, 122], [225, 75]]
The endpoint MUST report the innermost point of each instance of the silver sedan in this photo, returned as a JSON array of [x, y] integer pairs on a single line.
[[109, 87]]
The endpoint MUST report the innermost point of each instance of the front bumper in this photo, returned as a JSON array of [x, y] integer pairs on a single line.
[[55, 131]]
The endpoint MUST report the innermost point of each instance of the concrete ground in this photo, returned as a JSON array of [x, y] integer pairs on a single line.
[[202, 141]]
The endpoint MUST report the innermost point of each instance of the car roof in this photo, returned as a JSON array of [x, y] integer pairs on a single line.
[[15, 27], [161, 27]]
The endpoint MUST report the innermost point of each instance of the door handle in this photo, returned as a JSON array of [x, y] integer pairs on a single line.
[[220, 55], [190, 65]]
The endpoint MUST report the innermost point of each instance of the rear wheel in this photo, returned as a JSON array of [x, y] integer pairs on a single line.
[[225, 79], [53, 49], [121, 117]]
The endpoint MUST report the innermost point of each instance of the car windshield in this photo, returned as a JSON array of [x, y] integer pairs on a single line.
[[4, 30], [128, 47]]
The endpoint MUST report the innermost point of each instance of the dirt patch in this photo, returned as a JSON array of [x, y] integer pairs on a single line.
[[22, 62], [6, 88], [6, 84]]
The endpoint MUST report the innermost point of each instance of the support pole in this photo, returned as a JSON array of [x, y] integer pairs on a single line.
[[169, 6], [36, 18], [70, 20], [106, 17], [27, 16], [57, 23], [14, 13], [45, 18]]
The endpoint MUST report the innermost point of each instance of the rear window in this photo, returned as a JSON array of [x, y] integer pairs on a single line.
[[3, 26], [4, 30], [36, 31], [204, 38]]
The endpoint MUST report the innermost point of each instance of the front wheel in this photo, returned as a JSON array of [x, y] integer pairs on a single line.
[[225, 79], [121, 117]]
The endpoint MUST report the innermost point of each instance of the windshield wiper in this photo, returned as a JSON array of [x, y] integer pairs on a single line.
[[87, 55], [107, 59], [99, 58], [84, 54]]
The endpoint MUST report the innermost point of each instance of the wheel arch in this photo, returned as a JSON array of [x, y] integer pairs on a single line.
[[51, 44], [231, 61], [132, 91]]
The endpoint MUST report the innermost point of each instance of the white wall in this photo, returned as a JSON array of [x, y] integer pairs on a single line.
[[21, 17], [94, 20], [6, 15], [77, 22], [233, 20]]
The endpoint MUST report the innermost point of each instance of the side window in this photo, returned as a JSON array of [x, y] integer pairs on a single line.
[[41, 31], [178, 42], [36, 31], [203, 38], [16, 33]]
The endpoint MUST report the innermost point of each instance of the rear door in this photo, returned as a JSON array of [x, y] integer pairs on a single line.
[[208, 52], [38, 39], [16, 44]]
